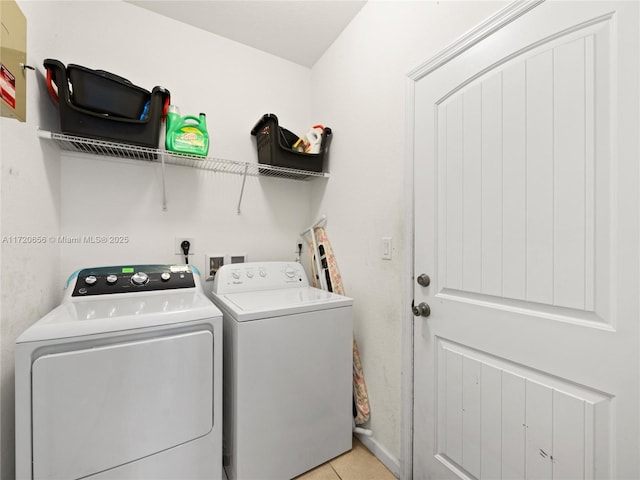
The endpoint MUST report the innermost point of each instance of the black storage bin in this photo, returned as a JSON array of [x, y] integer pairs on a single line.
[[104, 92], [84, 122], [273, 144]]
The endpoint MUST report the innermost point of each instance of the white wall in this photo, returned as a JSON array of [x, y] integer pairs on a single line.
[[360, 85], [48, 193], [30, 204], [235, 85]]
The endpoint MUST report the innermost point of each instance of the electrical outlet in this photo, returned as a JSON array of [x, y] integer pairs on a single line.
[[212, 263], [178, 245], [238, 258]]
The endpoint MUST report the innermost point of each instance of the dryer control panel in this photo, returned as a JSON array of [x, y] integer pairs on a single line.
[[252, 276], [132, 278]]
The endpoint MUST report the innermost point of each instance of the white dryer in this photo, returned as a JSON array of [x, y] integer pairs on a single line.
[[123, 380], [288, 360]]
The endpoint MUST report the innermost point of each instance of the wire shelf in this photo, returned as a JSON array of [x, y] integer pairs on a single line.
[[119, 150]]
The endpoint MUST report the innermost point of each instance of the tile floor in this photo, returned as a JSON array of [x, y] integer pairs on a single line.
[[358, 464]]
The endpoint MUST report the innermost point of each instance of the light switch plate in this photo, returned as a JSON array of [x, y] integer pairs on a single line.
[[387, 248]]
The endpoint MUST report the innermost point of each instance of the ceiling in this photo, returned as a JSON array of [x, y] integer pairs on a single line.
[[296, 30]]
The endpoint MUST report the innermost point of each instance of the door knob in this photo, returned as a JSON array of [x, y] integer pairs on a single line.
[[421, 310], [423, 280]]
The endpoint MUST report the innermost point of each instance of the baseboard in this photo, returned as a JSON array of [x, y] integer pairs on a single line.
[[389, 461]]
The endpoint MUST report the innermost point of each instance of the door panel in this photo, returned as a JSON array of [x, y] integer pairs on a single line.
[[497, 416], [527, 366], [518, 169]]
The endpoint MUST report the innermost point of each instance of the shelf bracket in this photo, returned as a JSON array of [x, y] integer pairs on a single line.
[[164, 185], [244, 180]]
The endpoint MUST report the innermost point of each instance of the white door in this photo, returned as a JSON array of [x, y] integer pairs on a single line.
[[526, 221]]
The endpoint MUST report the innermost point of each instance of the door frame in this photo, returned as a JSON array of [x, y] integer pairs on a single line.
[[492, 24]]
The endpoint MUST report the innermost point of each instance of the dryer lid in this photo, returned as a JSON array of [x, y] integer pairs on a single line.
[[112, 313]]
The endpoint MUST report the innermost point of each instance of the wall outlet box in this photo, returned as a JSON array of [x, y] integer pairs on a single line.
[[238, 258], [212, 263]]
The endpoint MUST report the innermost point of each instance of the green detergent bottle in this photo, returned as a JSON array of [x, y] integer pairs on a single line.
[[186, 134]]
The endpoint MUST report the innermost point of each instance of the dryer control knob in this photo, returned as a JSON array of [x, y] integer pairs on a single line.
[[139, 278], [263, 272], [165, 276], [249, 274], [111, 279], [289, 272], [90, 280]]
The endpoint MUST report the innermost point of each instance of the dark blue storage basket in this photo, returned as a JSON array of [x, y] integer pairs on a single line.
[[273, 144], [87, 122]]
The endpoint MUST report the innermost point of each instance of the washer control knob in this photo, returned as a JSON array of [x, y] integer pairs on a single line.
[[90, 280], [290, 272], [249, 274], [111, 279], [165, 276], [263, 272], [235, 275], [139, 278]]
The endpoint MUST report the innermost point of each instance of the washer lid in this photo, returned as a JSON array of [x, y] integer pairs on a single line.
[[245, 306], [104, 314]]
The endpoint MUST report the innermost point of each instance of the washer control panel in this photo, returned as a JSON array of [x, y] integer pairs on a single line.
[[244, 277], [132, 278]]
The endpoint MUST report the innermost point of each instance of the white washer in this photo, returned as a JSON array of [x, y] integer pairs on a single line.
[[123, 380], [288, 359]]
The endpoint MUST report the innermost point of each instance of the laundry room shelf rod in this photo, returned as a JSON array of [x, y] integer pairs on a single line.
[[121, 150]]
